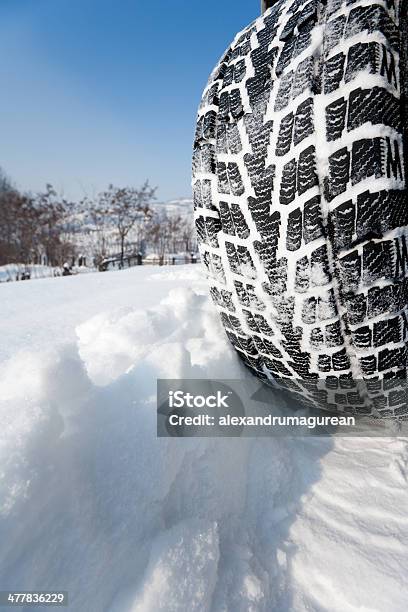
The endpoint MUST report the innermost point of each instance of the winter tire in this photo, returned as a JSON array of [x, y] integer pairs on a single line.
[[300, 199]]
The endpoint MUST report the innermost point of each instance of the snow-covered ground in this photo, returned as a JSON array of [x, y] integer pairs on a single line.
[[12, 272], [93, 503]]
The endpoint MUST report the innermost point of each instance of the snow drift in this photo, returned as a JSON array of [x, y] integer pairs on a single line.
[[93, 503]]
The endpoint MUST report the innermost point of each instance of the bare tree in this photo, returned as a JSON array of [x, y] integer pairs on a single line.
[[188, 236], [158, 233], [52, 215], [100, 223], [31, 227], [125, 206], [168, 232], [175, 224]]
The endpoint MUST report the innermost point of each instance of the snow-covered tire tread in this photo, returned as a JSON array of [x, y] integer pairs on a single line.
[[300, 199]]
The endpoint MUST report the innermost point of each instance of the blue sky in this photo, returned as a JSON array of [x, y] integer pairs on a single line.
[[101, 91]]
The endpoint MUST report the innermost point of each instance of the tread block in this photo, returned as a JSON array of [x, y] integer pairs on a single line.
[[235, 179], [288, 183], [371, 19], [342, 225], [376, 106], [213, 228], [362, 337], [239, 222], [226, 219], [340, 360], [334, 31], [285, 90], [312, 220], [320, 272], [387, 331], [356, 308], [202, 197], [303, 78], [327, 308], [294, 230], [306, 171], [267, 224], [350, 271], [381, 300], [339, 174], [336, 119], [362, 56], [285, 135], [333, 71], [304, 126], [392, 358], [309, 308], [377, 260], [302, 278], [333, 335]]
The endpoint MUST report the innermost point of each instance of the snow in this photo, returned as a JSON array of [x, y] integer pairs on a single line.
[[10, 272], [47, 312], [92, 502]]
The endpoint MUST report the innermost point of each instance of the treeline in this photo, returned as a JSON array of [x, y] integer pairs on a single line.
[[32, 226], [45, 228]]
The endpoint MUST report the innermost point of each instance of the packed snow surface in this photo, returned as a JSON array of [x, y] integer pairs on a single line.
[[91, 502]]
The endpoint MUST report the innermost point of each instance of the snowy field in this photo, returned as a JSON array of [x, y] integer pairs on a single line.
[[91, 502]]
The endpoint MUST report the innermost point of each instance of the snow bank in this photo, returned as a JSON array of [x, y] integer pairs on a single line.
[[93, 503]]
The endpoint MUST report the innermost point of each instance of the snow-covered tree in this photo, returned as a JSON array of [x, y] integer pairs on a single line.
[[125, 207]]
